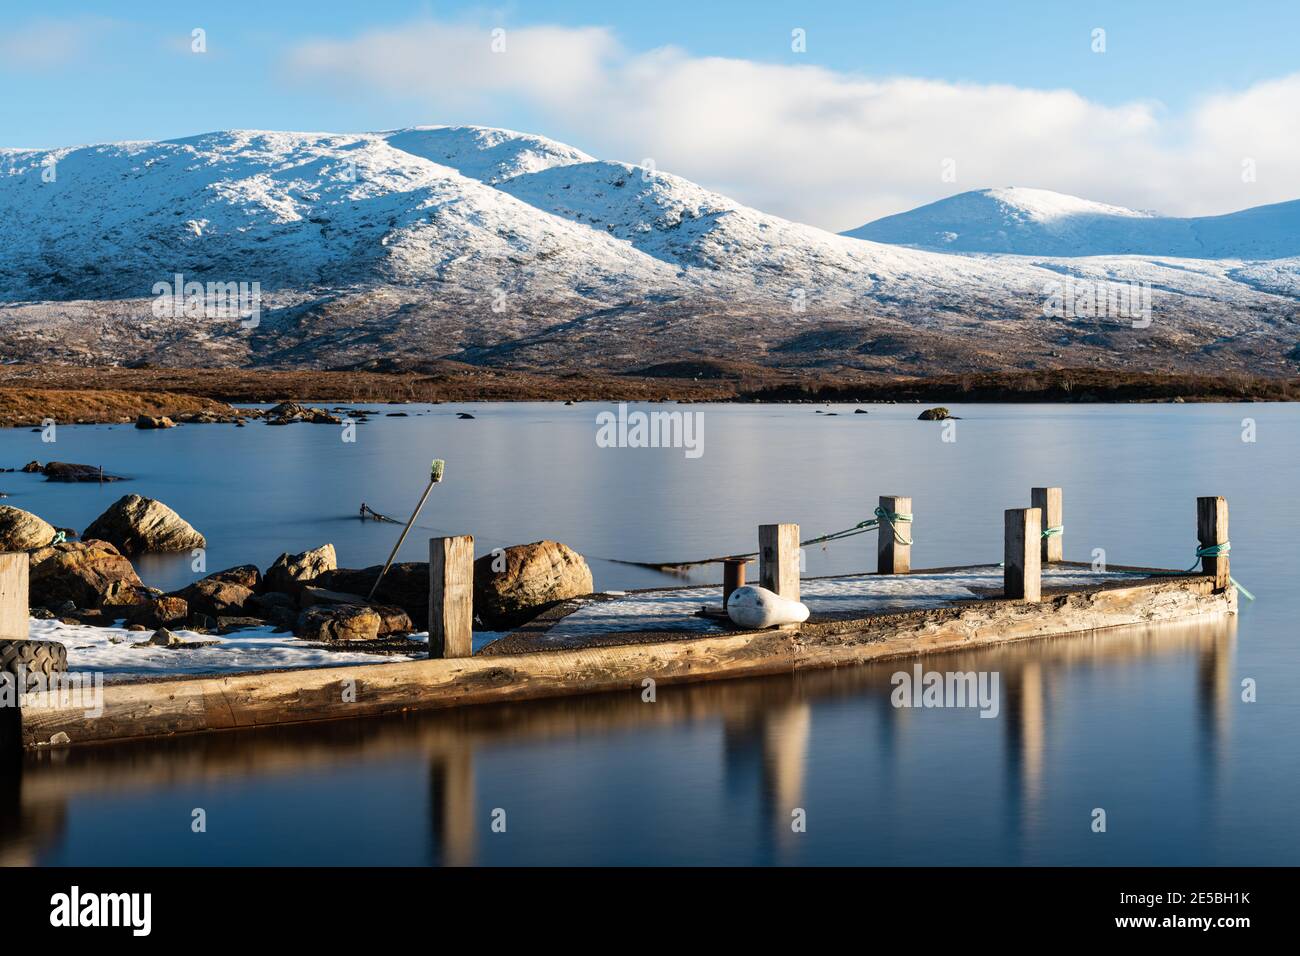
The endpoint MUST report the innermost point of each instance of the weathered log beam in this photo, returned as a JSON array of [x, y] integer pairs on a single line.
[[276, 697]]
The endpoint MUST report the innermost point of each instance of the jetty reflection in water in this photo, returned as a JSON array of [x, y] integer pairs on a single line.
[[708, 773]]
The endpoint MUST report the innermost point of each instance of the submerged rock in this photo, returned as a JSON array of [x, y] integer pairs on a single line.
[[516, 584], [753, 606], [154, 421], [936, 414], [286, 413], [23, 531], [68, 471], [137, 524]]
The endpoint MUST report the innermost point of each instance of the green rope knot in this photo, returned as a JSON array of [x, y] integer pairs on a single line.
[[890, 517], [1214, 551], [1053, 531]]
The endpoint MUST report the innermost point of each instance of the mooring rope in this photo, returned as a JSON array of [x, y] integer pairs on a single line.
[[891, 518], [1053, 531], [1213, 551]]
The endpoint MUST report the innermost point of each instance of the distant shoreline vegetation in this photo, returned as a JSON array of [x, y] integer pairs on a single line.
[[94, 394]]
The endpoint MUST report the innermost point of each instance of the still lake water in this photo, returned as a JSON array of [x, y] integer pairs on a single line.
[[1147, 724]]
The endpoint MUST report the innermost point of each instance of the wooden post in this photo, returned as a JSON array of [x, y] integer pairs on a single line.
[[451, 596], [1022, 577], [892, 556], [13, 596], [1050, 503], [778, 559], [733, 576], [1212, 529]]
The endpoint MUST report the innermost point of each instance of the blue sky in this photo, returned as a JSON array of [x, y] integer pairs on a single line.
[[81, 72]]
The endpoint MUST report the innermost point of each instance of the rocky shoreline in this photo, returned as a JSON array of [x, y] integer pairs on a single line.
[[30, 395], [91, 581]]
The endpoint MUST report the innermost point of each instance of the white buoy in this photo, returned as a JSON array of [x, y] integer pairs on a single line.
[[752, 606]]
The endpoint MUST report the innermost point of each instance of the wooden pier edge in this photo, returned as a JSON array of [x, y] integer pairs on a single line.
[[235, 701]]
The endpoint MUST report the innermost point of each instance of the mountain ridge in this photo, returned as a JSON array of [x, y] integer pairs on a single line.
[[1017, 220], [496, 247]]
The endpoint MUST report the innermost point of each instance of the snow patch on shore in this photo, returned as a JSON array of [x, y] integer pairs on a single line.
[[259, 648], [675, 610]]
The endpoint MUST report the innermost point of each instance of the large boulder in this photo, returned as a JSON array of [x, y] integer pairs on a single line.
[[166, 611], [406, 585], [90, 574], [136, 524], [22, 531], [514, 585], [245, 575], [338, 622], [216, 598], [291, 572]]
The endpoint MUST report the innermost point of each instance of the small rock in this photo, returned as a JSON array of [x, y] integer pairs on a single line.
[[160, 638]]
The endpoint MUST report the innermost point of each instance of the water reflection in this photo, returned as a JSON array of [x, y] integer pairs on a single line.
[[768, 730]]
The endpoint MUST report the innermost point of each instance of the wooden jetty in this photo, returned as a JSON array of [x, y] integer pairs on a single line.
[[453, 676]]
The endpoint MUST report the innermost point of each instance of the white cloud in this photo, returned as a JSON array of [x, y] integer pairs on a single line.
[[42, 44], [826, 147]]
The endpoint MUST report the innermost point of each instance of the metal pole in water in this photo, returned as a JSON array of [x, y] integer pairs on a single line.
[[435, 476]]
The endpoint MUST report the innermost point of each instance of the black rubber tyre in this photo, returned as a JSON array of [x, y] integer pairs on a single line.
[[33, 657]]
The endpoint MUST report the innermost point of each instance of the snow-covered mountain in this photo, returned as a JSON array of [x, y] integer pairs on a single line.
[[487, 245], [1038, 222]]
